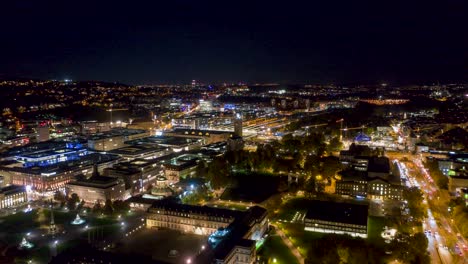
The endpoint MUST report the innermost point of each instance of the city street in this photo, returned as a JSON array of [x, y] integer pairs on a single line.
[[444, 245]]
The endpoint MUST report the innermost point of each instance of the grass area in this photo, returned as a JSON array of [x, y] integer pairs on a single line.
[[16, 225], [274, 248], [231, 206], [289, 208], [245, 187], [375, 227], [299, 237], [19, 222]]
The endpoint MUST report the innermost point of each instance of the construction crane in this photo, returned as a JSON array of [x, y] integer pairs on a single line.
[[341, 128]]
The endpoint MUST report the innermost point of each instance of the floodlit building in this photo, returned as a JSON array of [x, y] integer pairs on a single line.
[[141, 151], [137, 174], [206, 106], [232, 234], [115, 138], [43, 133], [180, 167], [337, 218], [238, 125], [97, 188], [200, 220], [50, 178], [13, 195]]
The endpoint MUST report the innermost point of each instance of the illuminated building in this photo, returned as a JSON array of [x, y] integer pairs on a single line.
[[43, 133], [141, 152], [371, 188], [337, 218], [97, 188], [12, 196], [369, 177], [180, 167], [115, 138], [51, 178], [52, 156], [175, 141], [202, 136], [238, 125], [236, 142], [137, 174], [200, 220], [232, 234], [206, 106]]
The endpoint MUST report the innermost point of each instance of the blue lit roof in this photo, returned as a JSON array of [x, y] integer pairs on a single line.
[[362, 137], [218, 236]]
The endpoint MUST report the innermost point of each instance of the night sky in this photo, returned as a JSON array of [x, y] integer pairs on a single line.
[[172, 41]]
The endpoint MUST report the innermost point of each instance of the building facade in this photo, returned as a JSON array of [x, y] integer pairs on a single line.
[[12, 196], [189, 219], [337, 218], [98, 189]]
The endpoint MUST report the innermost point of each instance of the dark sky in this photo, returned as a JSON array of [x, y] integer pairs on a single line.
[[315, 41]]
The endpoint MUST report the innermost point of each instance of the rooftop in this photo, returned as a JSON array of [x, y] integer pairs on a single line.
[[338, 212], [116, 132], [194, 209], [12, 189]]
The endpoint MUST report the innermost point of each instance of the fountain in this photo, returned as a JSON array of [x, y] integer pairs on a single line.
[[25, 244], [78, 220]]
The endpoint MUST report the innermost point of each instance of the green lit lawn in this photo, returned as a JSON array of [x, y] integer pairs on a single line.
[[274, 248], [19, 222], [375, 227], [289, 208], [231, 206], [300, 238]]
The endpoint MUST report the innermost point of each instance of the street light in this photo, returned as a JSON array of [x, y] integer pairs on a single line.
[[189, 261]]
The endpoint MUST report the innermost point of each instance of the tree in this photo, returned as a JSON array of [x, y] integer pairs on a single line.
[[59, 196], [73, 201], [201, 169], [314, 144], [197, 196], [150, 187], [440, 179], [410, 249], [218, 173], [121, 206], [97, 208], [312, 165], [334, 145], [309, 186], [330, 166], [415, 198], [108, 209], [343, 253]]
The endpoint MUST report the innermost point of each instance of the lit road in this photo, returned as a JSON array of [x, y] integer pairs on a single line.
[[444, 245]]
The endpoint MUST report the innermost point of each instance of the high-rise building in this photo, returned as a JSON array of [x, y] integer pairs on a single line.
[[43, 133], [238, 125], [307, 102], [206, 105], [283, 103]]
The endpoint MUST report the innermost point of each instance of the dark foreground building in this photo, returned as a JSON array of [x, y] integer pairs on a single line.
[[337, 218]]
